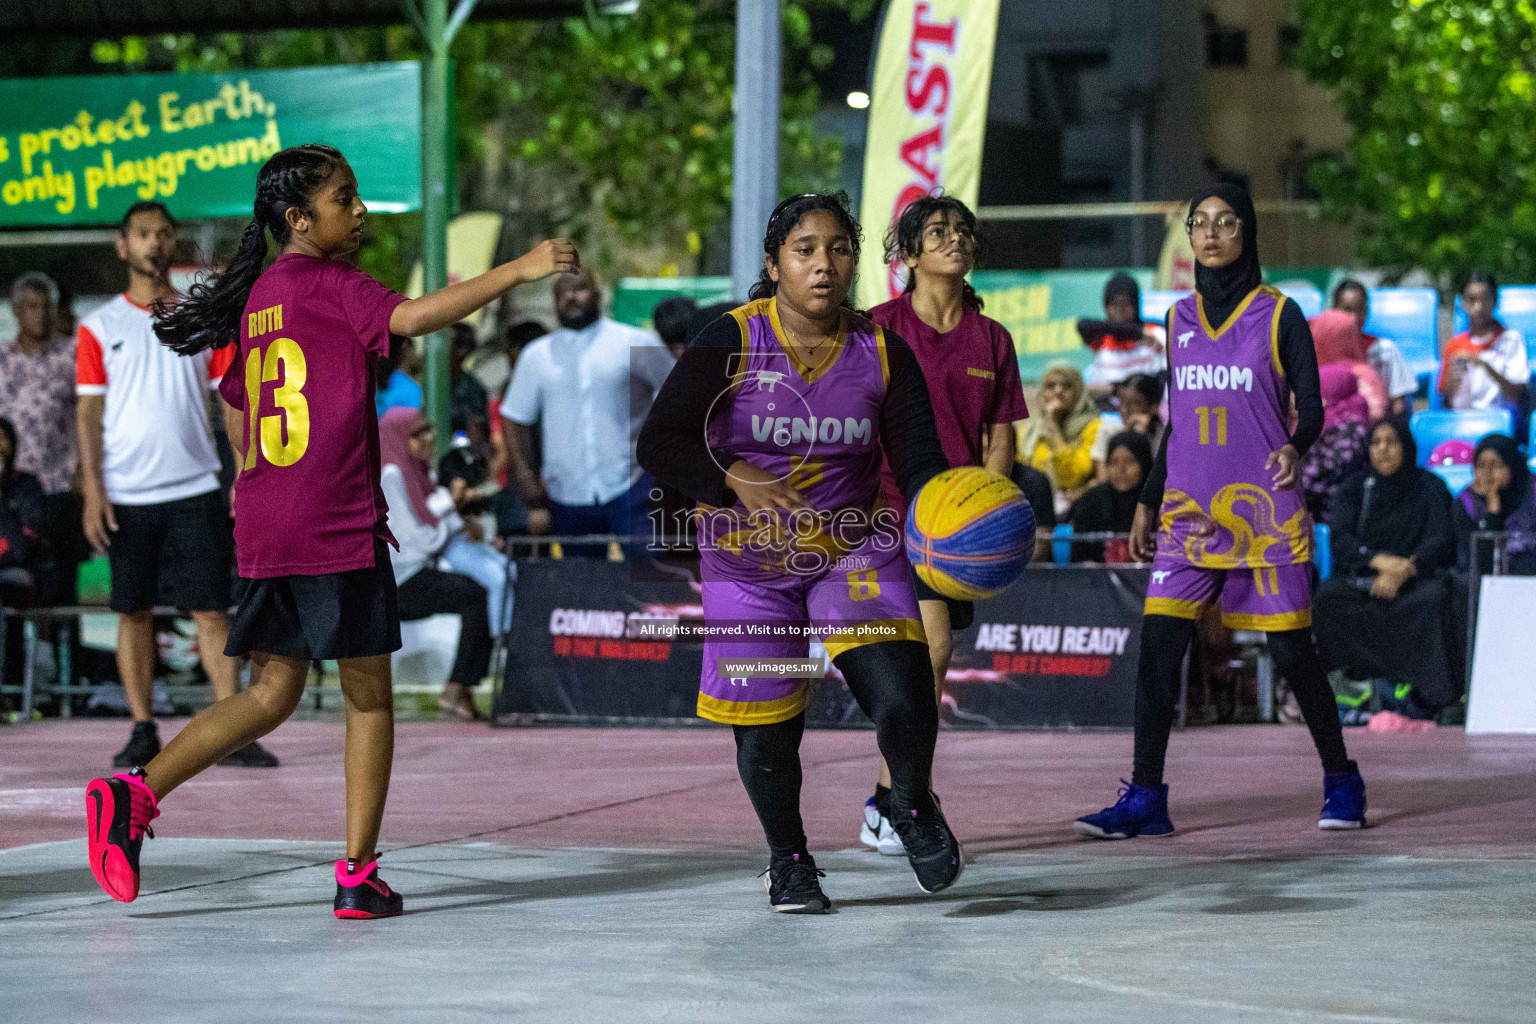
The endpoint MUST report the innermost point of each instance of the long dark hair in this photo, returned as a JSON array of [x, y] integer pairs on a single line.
[[905, 237], [209, 316], [786, 216]]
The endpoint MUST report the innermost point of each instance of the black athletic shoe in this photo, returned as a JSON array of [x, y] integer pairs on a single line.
[[362, 894], [142, 747], [793, 887], [252, 755], [932, 849]]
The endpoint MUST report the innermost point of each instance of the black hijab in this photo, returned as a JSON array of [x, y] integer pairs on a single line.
[[1222, 288], [1123, 284], [1519, 489], [1401, 483]]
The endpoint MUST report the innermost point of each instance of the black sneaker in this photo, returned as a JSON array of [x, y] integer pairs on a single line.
[[142, 747], [252, 755], [793, 887], [932, 849], [362, 894]]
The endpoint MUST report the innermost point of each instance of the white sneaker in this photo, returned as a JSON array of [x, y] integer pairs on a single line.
[[890, 844], [874, 827]]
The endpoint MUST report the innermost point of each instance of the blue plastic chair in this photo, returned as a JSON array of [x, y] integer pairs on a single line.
[[1411, 318], [1516, 308], [1457, 478], [1434, 426], [1155, 305], [1322, 550], [1061, 544], [1305, 294]]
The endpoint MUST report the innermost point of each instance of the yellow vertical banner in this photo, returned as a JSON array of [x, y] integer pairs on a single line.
[[927, 119]]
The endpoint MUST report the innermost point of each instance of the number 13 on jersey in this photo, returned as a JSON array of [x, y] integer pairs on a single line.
[[282, 438]]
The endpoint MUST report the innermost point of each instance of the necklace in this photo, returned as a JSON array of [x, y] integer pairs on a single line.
[[808, 352]]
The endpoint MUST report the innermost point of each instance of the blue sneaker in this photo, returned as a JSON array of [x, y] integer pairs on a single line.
[[1139, 812], [1343, 800]]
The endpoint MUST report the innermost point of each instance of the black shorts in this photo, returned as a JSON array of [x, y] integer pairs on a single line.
[[172, 553], [961, 613], [338, 615]]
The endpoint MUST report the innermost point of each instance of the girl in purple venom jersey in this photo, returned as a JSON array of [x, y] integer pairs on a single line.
[[310, 517], [774, 420], [1231, 521]]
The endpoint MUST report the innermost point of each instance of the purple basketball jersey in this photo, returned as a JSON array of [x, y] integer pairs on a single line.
[[817, 427], [1229, 408]]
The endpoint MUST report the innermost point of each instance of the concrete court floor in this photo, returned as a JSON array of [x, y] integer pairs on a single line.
[[608, 876]]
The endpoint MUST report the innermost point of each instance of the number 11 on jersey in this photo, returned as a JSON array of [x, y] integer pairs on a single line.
[[1204, 412]]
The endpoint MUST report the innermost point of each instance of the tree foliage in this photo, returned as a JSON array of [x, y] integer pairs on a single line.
[[1439, 96], [614, 129]]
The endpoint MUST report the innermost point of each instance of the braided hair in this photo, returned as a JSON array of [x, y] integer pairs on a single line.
[[209, 316], [904, 240], [787, 216]]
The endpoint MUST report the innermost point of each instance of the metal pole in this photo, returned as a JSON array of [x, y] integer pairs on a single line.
[[1138, 182], [755, 154], [435, 198]]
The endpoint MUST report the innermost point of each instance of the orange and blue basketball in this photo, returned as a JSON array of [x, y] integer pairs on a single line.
[[970, 533]]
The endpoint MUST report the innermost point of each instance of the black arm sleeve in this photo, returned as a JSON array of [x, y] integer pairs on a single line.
[[1298, 358], [672, 445], [907, 431]]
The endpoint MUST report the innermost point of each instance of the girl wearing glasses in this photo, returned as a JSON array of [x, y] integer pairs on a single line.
[[1231, 523]]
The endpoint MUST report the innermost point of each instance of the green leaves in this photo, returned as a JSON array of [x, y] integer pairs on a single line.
[[1439, 99]]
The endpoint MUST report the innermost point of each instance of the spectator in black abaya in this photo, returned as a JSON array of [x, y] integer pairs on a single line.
[[1110, 507], [1386, 610], [1499, 499]]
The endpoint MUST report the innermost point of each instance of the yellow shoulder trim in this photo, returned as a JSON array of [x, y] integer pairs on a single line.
[[885, 362], [1242, 307], [1274, 329]]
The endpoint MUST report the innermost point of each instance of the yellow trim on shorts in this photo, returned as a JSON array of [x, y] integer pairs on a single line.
[[1174, 607], [748, 712], [1279, 623], [847, 639]]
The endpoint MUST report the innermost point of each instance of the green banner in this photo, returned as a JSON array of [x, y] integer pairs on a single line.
[[1041, 308], [79, 151], [636, 297]]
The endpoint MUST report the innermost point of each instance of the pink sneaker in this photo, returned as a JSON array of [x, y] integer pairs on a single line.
[[362, 894], [1391, 721], [117, 816]]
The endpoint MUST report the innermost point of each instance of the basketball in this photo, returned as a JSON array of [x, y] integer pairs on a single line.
[[970, 533]]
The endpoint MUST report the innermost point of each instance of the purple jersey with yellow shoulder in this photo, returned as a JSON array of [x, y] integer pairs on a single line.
[[1229, 407], [773, 583]]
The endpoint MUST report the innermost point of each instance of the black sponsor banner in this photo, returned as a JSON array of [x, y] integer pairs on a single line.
[[1058, 649]]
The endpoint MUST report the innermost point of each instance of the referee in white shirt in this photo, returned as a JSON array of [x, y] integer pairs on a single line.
[[590, 385]]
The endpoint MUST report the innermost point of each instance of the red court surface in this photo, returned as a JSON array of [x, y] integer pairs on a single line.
[[1235, 790]]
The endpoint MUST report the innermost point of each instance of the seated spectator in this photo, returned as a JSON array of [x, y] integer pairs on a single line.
[[1339, 341], [1381, 353], [37, 394], [1037, 491], [1065, 442], [1122, 343], [1392, 542], [397, 377], [467, 398], [1499, 499], [1483, 367], [1339, 453], [424, 523], [22, 569], [1140, 398], [1110, 507], [671, 318]]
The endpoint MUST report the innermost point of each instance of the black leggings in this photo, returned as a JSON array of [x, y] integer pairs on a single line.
[[893, 683], [434, 592], [1163, 641]]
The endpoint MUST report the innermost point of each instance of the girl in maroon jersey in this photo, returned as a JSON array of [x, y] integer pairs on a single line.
[[315, 577]]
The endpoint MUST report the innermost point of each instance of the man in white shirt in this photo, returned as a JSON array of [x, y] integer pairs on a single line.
[[151, 477], [1382, 353], [589, 385]]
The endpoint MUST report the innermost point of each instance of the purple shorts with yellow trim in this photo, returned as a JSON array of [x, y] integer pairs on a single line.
[[866, 596], [1272, 599]]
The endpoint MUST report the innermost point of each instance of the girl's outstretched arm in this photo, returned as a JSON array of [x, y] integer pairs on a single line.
[[447, 306]]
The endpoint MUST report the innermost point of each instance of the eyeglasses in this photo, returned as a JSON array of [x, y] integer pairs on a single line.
[[1224, 226]]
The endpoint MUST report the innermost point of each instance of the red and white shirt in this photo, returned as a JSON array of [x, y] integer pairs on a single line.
[[157, 443]]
